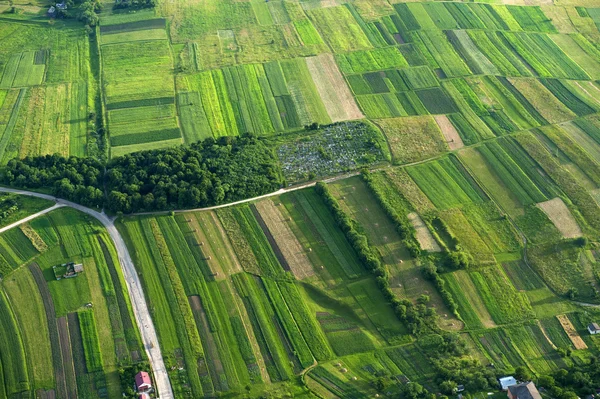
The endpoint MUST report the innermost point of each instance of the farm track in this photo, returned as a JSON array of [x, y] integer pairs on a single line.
[[134, 286], [31, 217]]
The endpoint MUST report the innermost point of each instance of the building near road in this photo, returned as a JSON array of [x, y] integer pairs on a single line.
[[143, 382], [524, 390]]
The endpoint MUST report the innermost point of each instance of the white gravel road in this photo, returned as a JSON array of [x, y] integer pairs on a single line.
[[138, 301]]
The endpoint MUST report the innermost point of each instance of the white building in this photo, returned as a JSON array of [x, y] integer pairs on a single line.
[[506, 382]]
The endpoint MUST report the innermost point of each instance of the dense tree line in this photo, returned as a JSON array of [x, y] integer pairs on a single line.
[[430, 272], [134, 4], [444, 349], [418, 318], [577, 381], [203, 174]]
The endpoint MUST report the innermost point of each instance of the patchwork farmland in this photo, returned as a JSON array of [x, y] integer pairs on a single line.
[[437, 223], [68, 337]]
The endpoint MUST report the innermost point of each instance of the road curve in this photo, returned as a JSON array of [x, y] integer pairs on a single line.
[[134, 286]]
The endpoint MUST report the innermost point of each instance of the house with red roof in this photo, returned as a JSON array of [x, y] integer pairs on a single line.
[[142, 381]]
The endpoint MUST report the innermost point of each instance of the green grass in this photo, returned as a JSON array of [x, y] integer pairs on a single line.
[[504, 303], [474, 57], [414, 138], [14, 362], [339, 28], [148, 70], [522, 276], [91, 343], [532, 19], [29, 313], [461, 229], [511, 174], [371, 60], [544, 55], [440, 49], [467, 314], [444, 183], [485, 175], [323, 226]]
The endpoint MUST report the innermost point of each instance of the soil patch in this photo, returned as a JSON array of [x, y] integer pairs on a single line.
[[571, 332], [449, 131], [559, 214]]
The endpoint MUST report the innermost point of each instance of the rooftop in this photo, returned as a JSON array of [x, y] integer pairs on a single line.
[[508, 381], [525, 390]]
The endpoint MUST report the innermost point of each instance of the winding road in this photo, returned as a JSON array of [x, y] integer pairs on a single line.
[[134, 286]]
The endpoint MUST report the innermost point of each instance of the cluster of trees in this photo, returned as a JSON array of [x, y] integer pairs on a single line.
[[445, 350], [88, 13], [71, 178], [204, 174], [8, 206], [403, 226], [127, 377], [417, 317], [577, 381], [134, 4]]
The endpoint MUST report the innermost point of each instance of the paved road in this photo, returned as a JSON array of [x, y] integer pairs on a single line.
[[140, 308], [31, 217]]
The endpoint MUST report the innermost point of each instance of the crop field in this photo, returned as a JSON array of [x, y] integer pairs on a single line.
[[445, 183], [456, 224], [46, 84], [38, 305], [413, 139], [138, 86], [361, 205]]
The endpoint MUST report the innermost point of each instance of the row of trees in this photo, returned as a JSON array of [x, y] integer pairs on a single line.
[[206, 173], [444, 349], [134, 4]]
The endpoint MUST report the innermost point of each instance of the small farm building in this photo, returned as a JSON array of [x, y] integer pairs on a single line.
[[67, 270], [144, 395], [525, 390], [594, 328], [143, 381], [52, 11], [506, 382]]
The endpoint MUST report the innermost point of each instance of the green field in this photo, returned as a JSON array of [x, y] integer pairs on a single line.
[[47, 311], [432, 208]]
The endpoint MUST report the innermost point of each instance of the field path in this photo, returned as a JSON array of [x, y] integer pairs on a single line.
[[31, 217], [134, 287]]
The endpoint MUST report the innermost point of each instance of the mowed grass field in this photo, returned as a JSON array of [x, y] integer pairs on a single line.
[[56, 343]]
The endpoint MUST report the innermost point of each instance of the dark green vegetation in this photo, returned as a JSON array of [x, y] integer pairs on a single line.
[[207, 173], [54, 341], [476, 248]]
